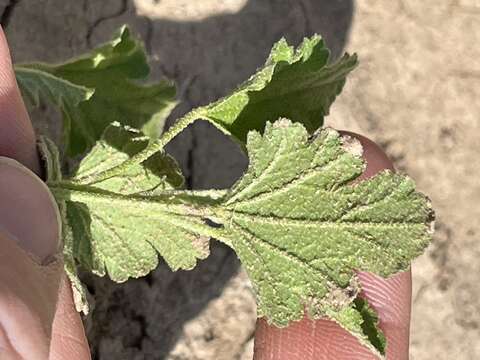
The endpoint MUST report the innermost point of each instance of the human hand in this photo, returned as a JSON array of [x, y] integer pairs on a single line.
[[37, 316]]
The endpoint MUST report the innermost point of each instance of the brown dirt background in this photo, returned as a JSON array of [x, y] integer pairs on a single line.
[[416, 93]]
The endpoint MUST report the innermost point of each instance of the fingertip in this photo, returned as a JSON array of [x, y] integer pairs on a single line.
[[391, 299], [307, 340], [17, 138], [326, 340], [28, 297], [68, 335], [28, 211]]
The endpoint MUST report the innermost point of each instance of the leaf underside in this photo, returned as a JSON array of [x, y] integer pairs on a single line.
[[35, 84], [301, 228], [117, 225], [297, 219]]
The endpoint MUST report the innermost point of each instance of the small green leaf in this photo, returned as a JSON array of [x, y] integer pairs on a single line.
[[70, 250], [301, 228], [360, 320], [111, 70], [297, 84], [118, 144], [121, 235], [118, 225]]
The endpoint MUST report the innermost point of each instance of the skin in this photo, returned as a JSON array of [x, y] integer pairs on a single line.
[[37, 316]]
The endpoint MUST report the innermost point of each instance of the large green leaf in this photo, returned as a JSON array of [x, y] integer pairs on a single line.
[[301, 228], [119, 143], [112, 71]]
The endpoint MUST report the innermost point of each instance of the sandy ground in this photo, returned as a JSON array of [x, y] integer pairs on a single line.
[[415, 93]]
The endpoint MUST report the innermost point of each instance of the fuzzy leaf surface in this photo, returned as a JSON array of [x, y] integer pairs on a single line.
[[112, 71], [301, 228], [298, 84], [118, 144], [296, 221], [118, 226]]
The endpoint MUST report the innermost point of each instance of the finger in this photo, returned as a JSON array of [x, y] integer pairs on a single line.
[[17, 141], [32, 321], [28, 211], [29, 237], [391, 298], [326, 340], [68, 336], [17, 138]]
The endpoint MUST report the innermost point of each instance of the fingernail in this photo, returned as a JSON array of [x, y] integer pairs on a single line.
[[28, 211]]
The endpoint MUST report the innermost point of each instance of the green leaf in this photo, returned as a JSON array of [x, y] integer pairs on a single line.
[[118, 144], [53, 174], [112, 70], [35, 84], [297, 219], [361, 321], [370, 325], [121, 235], [297, 84], [301, 227], [118, 225]]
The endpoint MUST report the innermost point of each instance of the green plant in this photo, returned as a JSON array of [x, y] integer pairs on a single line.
[[295, 220]]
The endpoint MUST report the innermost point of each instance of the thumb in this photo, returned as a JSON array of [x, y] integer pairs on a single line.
[[29, 271], [28, 212], [326, 340]]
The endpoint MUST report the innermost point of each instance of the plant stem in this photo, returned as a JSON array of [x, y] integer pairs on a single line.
[[182, 204], [143, 155]]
